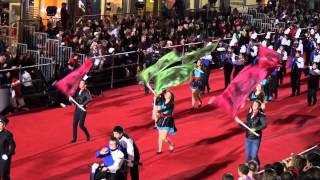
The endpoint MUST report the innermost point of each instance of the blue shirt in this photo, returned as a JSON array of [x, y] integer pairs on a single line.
[[197, 73]]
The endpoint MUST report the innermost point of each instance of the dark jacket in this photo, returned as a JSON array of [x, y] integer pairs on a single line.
[[258, 122], [7, 144], [84, 98]]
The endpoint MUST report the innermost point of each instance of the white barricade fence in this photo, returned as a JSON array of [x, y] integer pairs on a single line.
[[47, 70], [28, 32], [252, 11], [256, 22], [247, 17], [34, 54], [266, 27], [22, 48], [81, 58], [39, 40], [281, 24], [52, 49], [65, 53], [260, 16]]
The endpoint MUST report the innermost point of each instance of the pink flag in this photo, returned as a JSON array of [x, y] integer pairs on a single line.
[[268, 58], [70, 83], [240, 88]]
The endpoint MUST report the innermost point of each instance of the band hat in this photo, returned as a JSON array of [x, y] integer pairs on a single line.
[[4, 120]]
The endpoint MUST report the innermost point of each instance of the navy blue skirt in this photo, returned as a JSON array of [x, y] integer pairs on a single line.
[[167, 124], [197, 85]]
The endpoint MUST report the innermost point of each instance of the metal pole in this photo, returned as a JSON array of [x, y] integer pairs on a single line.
[[112, 71]]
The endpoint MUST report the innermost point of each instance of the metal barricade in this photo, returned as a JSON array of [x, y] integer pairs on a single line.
[[282, 25], [35, 55], [82, 58], [48, 69], [260, 16], [266, 27], [252, 11], [256, 22], [52, 48], [28, 32], [22, 48], [39, 41], [269, 20], [247, 17], [64, 55]]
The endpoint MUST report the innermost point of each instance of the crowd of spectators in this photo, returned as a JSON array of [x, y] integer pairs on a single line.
[[297, 167], [150, 37]]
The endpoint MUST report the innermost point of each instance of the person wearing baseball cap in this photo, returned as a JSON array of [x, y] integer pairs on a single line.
[[7, 149]]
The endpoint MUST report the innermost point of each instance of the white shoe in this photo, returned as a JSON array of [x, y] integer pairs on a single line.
[[62, 105]]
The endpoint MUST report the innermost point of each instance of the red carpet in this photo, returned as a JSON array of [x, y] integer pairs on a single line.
[[208, 143]]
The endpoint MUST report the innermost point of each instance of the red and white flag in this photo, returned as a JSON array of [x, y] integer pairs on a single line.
[[69, 84], [240, 88]]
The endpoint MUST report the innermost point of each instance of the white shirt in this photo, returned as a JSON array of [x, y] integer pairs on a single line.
[[117, 156], [128, 144], [300, 48], [255, 51], [26, 79], [316, 58], [284, 54], [285, 42], [314, 71], [300, 63]]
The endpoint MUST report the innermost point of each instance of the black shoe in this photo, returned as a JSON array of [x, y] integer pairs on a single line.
[[73, 141], [88, 138], [158, 152]]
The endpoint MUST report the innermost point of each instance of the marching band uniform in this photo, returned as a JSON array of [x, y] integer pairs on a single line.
[[297, 64]]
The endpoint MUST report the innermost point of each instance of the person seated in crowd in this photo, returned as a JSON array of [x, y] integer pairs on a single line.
[[112, 162], [278, 167], [253, 169], [311, 174], [227, 176], [17, 100], [243, 171], [288, 175]]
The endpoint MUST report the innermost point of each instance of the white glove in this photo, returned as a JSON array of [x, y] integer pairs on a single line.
[[94, 167], [5, 157]]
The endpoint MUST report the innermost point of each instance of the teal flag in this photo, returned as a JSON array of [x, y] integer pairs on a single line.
[[173, 76], [164, 62], [195, 55]]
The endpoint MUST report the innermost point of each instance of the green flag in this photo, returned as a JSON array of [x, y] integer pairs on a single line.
[[173, 76], [164, 62], [195, 55]]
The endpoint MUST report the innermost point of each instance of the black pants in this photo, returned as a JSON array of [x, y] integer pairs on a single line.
[[105, 175], [237, 69], [295, 82], [134, 172], [5, 169], [275, 80], [206, 80], [283, 71], [79, 116], [312, 96], [227, 69]]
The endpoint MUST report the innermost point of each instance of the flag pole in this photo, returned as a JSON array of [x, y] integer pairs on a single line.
[[75, 102], [245, 126]]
